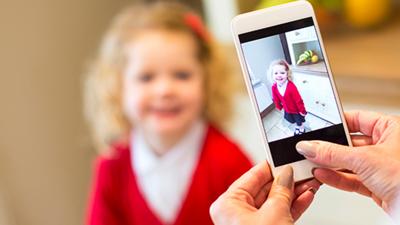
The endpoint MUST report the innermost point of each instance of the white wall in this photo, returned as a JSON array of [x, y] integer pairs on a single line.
[[260, 53], [218, 16]]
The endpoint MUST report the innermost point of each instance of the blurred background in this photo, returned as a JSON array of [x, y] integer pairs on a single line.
[[45, 46]]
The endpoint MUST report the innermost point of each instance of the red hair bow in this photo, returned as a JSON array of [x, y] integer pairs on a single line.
[[195, 23]]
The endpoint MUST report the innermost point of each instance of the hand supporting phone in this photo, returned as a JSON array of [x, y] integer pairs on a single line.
[[289, 81]]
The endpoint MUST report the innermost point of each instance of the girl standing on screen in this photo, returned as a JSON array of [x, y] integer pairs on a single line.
[[286, 96], [157, 97]]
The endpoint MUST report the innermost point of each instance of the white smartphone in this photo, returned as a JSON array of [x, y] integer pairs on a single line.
[[289, 81]]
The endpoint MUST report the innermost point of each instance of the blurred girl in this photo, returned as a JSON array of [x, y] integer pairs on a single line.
[[285, 95], [157, 96]]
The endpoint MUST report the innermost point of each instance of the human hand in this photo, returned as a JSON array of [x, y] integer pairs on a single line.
[[303, 114], [255, 198], [374, 161]]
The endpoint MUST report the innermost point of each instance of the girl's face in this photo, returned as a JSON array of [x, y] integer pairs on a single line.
[[279, 74], [163, 85]]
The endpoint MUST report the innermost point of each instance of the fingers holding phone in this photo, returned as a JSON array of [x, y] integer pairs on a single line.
[[374, 162]]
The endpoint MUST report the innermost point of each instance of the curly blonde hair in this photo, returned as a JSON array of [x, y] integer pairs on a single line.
[[281, 62], [103, 105]]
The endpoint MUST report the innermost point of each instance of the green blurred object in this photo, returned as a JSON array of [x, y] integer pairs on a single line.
[[326, 10], [330, 5], [268, 3]]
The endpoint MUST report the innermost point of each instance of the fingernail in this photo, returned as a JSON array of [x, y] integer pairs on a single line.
[[312, 190], [306, 148], [313, 170], [286, 177]]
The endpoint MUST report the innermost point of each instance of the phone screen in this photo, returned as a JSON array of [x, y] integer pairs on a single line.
[[290, 82]]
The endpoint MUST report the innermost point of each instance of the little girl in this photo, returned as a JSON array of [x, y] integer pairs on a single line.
[[156, 97], [285, 95]]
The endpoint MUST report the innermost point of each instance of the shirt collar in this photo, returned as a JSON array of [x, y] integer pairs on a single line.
[[283, 85], [145, 160]]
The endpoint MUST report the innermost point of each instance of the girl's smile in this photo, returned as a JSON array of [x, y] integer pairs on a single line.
[[166, 111]]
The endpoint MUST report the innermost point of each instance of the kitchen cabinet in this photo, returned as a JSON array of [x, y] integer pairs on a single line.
[[263, 97], [301, 40], [301, 35], [317, 94]]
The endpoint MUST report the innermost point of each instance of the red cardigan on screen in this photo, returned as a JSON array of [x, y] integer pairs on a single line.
[[116, 199], [291, 101]]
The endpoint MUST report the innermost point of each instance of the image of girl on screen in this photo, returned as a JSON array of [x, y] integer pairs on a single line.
[[286, 96]]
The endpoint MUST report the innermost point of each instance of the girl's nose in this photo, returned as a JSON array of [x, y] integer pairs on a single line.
[[165, 87]]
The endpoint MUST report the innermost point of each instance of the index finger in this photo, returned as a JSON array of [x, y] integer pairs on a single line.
[[362, 121], [253, 180]]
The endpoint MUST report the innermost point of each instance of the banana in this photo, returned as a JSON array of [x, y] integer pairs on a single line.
[[300, 61], [305, 57], [302, 57]]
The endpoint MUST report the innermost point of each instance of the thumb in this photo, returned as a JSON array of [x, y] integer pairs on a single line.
[[329, 154], [281, 194]]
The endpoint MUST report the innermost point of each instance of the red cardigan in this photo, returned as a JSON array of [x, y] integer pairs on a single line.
[[291, 101], [116, 199]]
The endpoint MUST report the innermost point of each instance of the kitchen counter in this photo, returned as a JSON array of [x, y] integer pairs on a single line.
[[319, 68]]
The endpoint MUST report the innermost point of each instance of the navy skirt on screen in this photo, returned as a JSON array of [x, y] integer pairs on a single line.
[[295, 118]]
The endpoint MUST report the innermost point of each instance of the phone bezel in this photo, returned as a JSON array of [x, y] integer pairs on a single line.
[[269, 17]]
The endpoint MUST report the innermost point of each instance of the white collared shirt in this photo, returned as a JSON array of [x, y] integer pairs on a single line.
[[282, 88], [164, 180]]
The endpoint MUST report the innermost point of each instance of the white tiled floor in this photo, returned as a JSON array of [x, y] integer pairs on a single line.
[[277, 127]]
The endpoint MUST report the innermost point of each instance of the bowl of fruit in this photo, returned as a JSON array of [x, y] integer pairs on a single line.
[[307, 57]]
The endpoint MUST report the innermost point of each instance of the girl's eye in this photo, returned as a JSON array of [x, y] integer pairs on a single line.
[[182, 75], [146, 77]]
